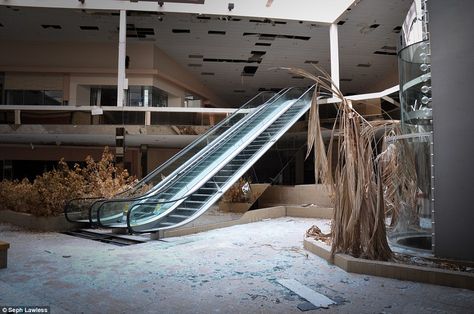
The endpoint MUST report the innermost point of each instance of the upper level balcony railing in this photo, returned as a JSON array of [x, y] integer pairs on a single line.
[[89, 115]]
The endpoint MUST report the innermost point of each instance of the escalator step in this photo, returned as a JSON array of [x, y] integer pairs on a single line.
[[200, 195], [167, 224], [176, 216]]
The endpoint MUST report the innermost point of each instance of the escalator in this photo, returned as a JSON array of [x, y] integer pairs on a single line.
[[201, 183], [198, 178], [84, 210]]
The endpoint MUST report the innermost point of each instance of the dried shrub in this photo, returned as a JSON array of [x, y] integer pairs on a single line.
[[49, 192]]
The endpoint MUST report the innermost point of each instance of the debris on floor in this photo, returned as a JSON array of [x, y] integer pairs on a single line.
[[317, 299], [316, 233]]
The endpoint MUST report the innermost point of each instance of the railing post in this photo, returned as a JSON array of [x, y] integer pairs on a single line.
[[17, 116], [147, 117]]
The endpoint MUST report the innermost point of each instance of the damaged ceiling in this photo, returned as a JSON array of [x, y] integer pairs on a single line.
[[236, 57]]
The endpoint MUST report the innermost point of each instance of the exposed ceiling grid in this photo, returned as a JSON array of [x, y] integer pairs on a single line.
[[364, 29]]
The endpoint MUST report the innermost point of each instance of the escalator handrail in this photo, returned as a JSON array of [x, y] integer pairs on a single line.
[[197, 186], [148, 177], [156, 189], [183, 168], [188, 163]]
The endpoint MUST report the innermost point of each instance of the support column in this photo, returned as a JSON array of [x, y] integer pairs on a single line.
[[334, 48], [122, 83], [17, 117]]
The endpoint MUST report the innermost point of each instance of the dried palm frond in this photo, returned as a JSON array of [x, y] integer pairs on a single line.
[[399, 178], [349, 169]]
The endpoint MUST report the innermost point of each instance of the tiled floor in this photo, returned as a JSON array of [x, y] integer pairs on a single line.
[[230, 270]]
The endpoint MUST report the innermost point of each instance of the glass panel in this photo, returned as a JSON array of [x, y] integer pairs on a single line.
[[32, 97], [7, 117], [204, 178], [159, 98], [110, 211], [14, 97], [135, 96], [108, 96], [53, 97], [415, 92], [414, 222], [123, 117]]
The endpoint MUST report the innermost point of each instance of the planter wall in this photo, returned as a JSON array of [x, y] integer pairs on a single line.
[[28, 221]]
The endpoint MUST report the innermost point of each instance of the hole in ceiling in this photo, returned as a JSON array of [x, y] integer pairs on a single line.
[[263, 44], [389, 48], [195, 65], [143, 13], [271, 89], [345, 80], [257, 55], [266, 21], [216, 32], [264, 36], [139, 32], [311, 61], [181, 31], [374, 25], [259, 21], [207, 73], [231, 60], [195, 56], [297, 77], [239, 91], [89, 28], [341, 22], [46, 26], [364, 65], [397, 29], [249, 70], [200, 17], [378, 52]]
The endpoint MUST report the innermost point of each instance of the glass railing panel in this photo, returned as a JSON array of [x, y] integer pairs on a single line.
[[203, 169], [108, 209], [415, 92]]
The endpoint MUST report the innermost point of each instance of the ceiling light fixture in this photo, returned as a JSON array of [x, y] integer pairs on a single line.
[[230, 6]]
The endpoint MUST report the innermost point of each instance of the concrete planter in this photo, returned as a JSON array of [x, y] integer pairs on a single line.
[[429, 275], [28, 221]]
